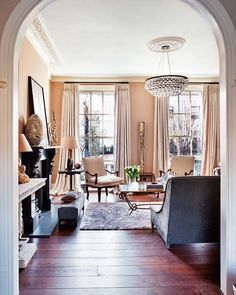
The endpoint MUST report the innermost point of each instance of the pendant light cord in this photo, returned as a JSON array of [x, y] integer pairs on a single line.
[[168, 59]]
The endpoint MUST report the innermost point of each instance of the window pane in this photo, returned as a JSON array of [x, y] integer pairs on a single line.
[[173, 125], [173, 104], [184, 103], [96, 102], [195, 125], [95, 125], [94, 144], [81, 125], [108, 146], [185, 146], [108, 125], [196, 146], [84, 102], [174, 146], [184, 125], [108, 107]]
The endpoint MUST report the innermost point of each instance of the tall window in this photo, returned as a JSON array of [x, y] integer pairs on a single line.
[[97, 124], [185, 126]]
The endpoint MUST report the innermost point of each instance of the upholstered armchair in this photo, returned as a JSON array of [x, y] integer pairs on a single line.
[[96, 176], [190, 211], [181, 166]]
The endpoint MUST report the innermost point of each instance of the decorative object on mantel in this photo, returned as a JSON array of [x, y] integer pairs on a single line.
[[141, 136], [69, 143], [169, 84], [22, 176], [34, 130], [3, 84], [52, 131], [23, 146]]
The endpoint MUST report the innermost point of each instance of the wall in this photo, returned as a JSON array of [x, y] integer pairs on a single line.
[[30, 64], [142, 106], [56, 93], [142, 110]]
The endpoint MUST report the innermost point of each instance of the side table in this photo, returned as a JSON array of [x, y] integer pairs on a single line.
[[71, 173]]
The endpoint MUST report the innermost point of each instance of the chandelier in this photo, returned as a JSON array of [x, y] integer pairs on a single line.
[[166, 85]]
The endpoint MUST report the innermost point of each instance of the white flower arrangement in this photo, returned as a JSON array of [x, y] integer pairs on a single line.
[[132, 172]]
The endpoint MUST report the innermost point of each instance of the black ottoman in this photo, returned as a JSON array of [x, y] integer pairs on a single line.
[[69, 212]]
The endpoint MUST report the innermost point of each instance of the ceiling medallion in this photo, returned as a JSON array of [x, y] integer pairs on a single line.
[[166, 85]]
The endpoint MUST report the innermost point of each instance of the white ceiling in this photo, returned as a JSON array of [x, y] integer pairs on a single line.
[[108, 38]]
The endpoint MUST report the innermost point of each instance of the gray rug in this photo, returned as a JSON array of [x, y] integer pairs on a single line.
[[114, 216]]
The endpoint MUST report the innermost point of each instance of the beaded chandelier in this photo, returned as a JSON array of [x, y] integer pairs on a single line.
[[166, 85]]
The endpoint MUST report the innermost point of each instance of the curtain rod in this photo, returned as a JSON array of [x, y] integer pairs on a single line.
[[81, 82], [202, 83]]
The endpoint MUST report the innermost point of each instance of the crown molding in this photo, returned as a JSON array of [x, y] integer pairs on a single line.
[[115, 79], [39, 37]]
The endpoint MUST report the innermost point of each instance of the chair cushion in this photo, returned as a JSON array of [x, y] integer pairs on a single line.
[[106, 180], [94, 165]]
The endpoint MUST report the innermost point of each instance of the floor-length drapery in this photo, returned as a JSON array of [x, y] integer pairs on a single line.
[[211, 128], [161, 135], [69, 127], [122, 128]]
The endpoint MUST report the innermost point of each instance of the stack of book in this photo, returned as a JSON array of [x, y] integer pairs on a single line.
[[154, 186]]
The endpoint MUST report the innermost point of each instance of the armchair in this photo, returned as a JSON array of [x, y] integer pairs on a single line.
[[181, 166], [190, 211], [96, 175]]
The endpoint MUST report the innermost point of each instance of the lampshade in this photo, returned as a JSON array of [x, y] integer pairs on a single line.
[[23, 144], [70, 142], [166, 85]]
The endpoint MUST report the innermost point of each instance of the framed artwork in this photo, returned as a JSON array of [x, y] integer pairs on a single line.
[[36, 94]]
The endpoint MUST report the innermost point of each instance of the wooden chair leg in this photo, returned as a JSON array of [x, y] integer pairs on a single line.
[[87, 191], [106, 191], [99, 195]]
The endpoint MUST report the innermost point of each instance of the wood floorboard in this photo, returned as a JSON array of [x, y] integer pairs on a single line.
[[133, 262], [118, 291]]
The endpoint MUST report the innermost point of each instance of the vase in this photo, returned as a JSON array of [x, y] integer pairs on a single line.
[[131, 179]]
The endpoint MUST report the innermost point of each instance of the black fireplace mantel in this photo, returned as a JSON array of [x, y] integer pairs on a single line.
[[39, 164]]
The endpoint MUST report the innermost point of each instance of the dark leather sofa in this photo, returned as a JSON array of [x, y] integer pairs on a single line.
[[190, 211]]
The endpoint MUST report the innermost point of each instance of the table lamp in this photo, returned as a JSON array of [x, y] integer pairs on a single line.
[[70, 143], [23, 144]]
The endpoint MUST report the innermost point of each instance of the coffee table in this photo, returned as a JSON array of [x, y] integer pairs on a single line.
[[139, 187]]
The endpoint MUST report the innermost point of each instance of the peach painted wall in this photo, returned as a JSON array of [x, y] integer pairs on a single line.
[[56, 93], [30, 64], [142, 108]]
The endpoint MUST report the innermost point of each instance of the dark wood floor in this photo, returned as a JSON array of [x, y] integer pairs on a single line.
[[119, 263]]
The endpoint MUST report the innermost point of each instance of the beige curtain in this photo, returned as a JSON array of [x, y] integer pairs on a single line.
[[161, 135], [69, 127], [211, 128], [122, 128]]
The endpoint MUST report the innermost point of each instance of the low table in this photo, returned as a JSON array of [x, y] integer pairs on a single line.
[[139, 187]]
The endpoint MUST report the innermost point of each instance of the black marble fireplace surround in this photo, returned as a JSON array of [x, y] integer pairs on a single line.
[[39, 164]]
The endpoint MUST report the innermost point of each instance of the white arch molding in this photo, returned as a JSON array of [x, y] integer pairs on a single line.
[[13, 34]]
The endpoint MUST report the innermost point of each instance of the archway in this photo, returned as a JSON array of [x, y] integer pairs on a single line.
[[13, 34]]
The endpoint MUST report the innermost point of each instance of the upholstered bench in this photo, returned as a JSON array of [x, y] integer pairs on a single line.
[[70, 212]]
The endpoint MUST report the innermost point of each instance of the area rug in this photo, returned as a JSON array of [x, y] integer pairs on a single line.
[[114, 216]]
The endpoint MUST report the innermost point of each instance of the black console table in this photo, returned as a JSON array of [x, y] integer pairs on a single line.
[[39, 164]]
